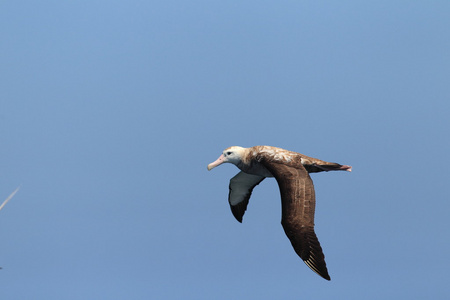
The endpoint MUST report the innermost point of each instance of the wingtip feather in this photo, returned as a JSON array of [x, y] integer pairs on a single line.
[[322, 273]]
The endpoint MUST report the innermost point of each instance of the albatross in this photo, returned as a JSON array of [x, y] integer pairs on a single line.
[[291, 170], [9, 198]]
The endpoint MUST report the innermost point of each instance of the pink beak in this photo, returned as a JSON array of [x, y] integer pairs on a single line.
[[219, 161]]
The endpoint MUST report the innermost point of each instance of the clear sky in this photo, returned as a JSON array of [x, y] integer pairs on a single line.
[[110, 112]]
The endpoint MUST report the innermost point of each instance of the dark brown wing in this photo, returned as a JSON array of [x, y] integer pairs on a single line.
[[298, 205], [241, 187]]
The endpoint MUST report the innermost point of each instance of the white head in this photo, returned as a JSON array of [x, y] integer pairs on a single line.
[[230, 155]]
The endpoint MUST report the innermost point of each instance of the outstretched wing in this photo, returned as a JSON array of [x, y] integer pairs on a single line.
[[241, 187], [298, 205]]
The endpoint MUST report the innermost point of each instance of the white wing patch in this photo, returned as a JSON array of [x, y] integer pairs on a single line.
[[241, 186], [278, 153]]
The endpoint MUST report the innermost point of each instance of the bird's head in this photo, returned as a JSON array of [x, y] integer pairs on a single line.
[[232, 155]]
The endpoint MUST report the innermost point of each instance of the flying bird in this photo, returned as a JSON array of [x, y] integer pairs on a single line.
[[9, 198], [6, 201], [291, 170]]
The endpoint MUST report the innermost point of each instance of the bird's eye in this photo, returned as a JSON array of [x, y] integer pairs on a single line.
[[228, 153]]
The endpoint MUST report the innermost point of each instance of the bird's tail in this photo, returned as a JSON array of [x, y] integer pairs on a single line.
[[314, 168], [314, 165]]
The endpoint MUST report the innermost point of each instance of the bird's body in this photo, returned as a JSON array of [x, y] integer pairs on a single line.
[[291, 170]]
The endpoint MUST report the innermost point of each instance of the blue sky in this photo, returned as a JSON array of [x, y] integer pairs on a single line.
[[110, 112]]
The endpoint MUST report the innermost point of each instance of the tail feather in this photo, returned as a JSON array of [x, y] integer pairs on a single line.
[[326, 166]]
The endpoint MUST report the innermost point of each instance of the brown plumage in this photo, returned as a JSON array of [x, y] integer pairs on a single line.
[[291, 170]]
